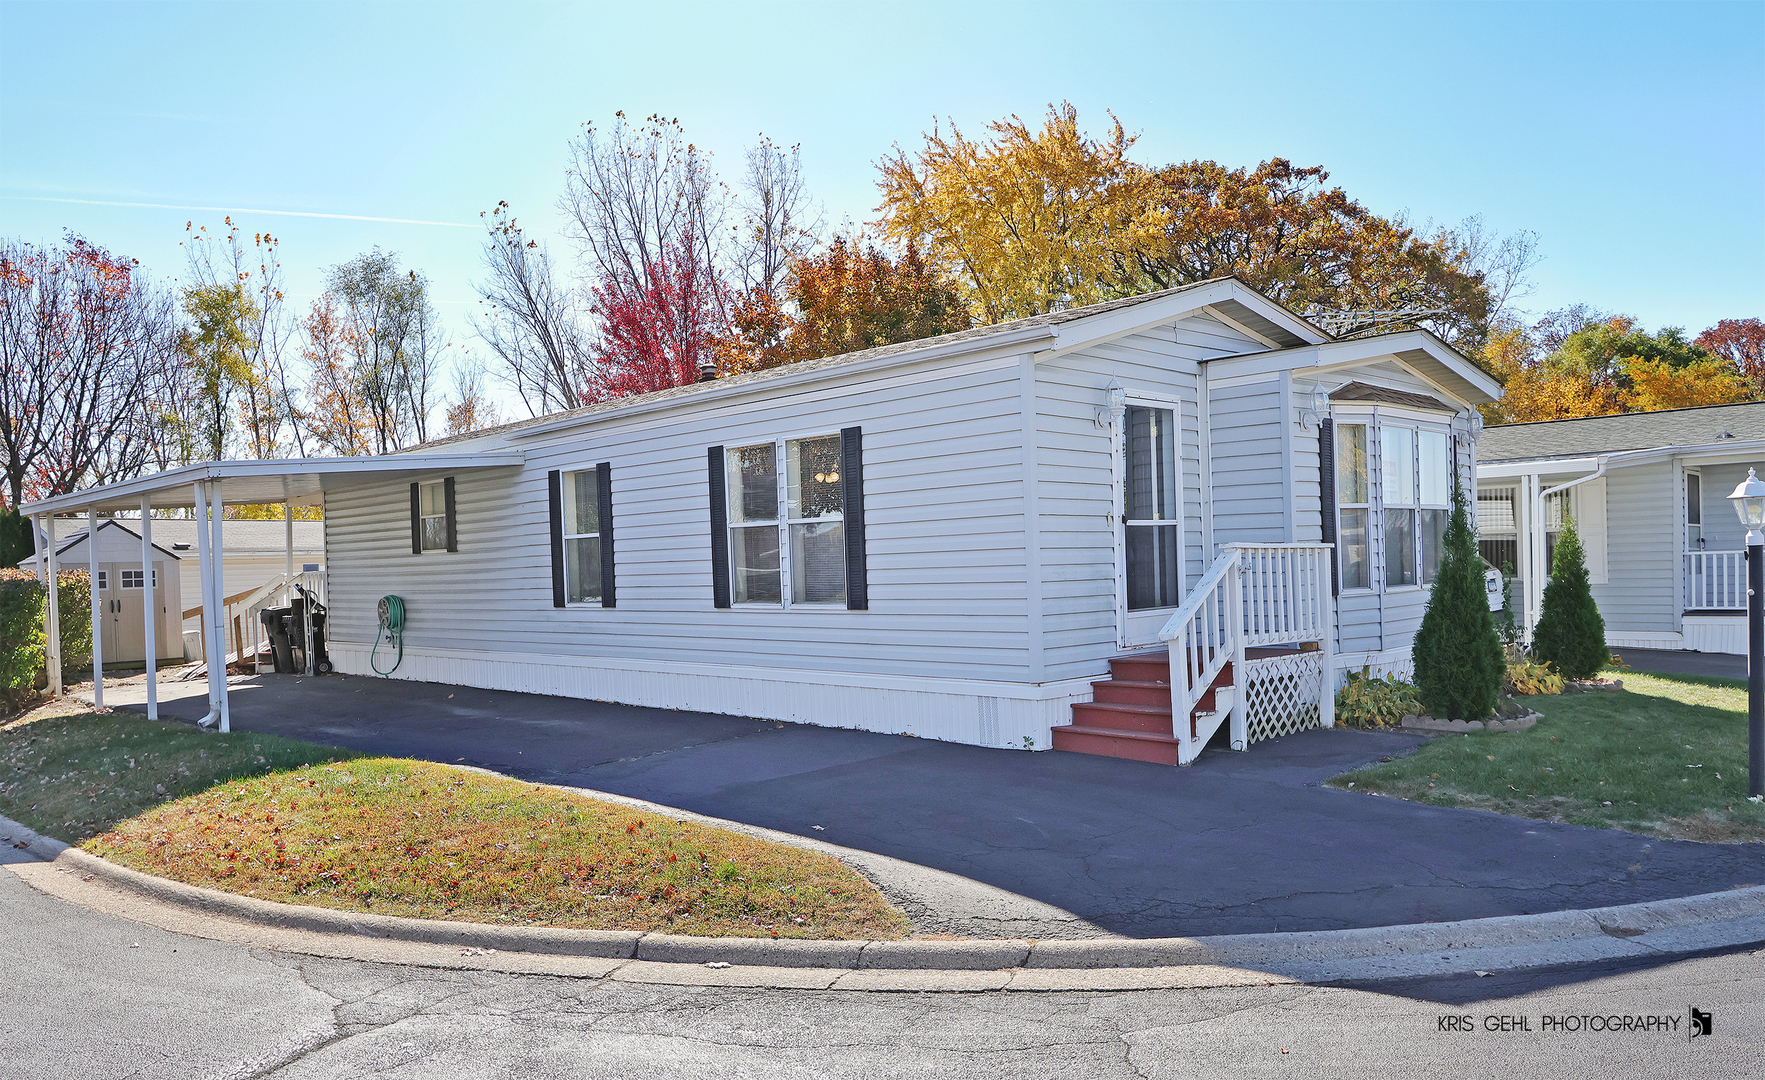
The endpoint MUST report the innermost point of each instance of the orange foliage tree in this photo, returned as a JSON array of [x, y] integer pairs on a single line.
[[850, 296]]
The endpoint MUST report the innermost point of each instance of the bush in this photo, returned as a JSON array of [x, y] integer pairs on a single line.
[[1570, 635], [1527, 677], [1369, 701], [1458, 655], [21, 634]]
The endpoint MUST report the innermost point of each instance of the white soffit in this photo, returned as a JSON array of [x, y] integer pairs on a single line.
[[296, 480]]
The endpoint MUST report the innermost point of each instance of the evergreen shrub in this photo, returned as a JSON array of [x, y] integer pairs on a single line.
[[21, 634], [16, 542], [1459, 658], [1571, 634]]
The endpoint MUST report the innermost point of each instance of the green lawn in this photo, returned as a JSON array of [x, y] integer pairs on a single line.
[[302, 823], [1665, 756]]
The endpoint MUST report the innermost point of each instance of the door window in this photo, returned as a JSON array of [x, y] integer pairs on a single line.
[[1152, 516], [1694, 511]]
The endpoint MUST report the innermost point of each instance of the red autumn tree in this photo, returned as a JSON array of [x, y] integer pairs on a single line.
[[1741, 342], [847, 297], [659, 332]]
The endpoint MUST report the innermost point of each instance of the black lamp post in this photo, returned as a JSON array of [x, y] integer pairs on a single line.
[[1749, 503]]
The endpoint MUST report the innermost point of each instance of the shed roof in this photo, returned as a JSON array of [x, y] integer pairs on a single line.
[[1703, 425]]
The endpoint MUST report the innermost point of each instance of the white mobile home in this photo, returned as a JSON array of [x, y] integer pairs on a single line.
[[952, 538], [1648, 493]]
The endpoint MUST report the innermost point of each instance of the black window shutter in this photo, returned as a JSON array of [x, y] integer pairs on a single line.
[[1454, 440], [453, 534], [555, 496], [852, 474], [719, 528], [603, 476], [416, 519], [1327, 497]]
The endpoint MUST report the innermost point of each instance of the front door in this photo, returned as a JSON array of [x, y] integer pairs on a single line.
[[1149, 536]]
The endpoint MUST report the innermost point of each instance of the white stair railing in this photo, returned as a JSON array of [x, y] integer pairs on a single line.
[[1252, 595], [1203, 635]]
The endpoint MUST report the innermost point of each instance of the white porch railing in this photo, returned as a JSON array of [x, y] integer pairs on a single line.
[[1716, 581], [1252, 595]]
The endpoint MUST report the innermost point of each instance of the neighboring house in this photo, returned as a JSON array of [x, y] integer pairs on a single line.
[[950, 537], [255, 554], [121, 613], [1648, 493]]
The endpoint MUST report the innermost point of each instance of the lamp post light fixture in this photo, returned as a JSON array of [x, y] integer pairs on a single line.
[[1749, 502]]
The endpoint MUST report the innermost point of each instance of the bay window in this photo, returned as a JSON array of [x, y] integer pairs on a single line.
[[1408, 498], [1354, 502]]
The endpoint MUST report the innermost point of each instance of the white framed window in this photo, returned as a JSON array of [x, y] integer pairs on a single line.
[[131, 579], [103, 580], [1354, 501], [787, 541], [1152, 510], [1409, 497], [1416, 486], [1498, 528], [432, 506], [582, 537]]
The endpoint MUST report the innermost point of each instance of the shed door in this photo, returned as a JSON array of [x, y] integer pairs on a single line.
[[1149, 538]]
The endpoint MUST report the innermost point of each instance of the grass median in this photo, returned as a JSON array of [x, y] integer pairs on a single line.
[[296, 822], [1665, 756]]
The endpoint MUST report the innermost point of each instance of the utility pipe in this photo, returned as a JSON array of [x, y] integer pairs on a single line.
[[97, 621], [149, 609]]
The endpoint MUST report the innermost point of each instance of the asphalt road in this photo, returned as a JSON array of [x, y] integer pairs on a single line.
[[1237, 843], [85, 997]]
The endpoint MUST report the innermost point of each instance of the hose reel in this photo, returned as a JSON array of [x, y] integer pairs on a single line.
[[391, 632]]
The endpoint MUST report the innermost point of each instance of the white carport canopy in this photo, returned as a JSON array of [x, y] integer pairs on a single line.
[[206, 488]]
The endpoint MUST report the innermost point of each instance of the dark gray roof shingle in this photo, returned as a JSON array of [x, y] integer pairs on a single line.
[[1587, 435]]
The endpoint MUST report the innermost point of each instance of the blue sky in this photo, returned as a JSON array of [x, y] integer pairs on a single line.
[[1631, 137]]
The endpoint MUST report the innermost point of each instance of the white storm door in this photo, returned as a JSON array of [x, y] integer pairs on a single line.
[[1149, 533]]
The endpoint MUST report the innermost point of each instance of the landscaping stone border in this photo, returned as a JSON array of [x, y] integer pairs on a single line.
[[1428, 723]]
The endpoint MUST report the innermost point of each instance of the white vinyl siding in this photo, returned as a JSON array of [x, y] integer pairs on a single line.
[[1075, 470], [944, 538]]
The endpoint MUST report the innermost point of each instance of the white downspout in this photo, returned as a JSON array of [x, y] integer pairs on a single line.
[[149, 609], [97, 621], [204, 562], [1535, 583]]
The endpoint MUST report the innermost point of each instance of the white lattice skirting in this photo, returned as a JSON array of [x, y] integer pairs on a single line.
[[1281, 694]]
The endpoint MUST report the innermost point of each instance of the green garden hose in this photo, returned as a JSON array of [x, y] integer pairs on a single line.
[[391, 631]]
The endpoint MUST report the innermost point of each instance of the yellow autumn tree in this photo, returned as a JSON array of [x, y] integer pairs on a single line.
[[1656, 384], [1027, 222]]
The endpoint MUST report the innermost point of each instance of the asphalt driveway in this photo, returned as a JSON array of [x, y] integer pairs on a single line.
[[1237, 843]]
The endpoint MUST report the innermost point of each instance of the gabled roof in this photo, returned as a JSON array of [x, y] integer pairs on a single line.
[[1703, 425], [1241, 305], [68, 543]]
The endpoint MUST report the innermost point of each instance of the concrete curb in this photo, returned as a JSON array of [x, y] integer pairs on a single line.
[[14, 835], [1657, 928]]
